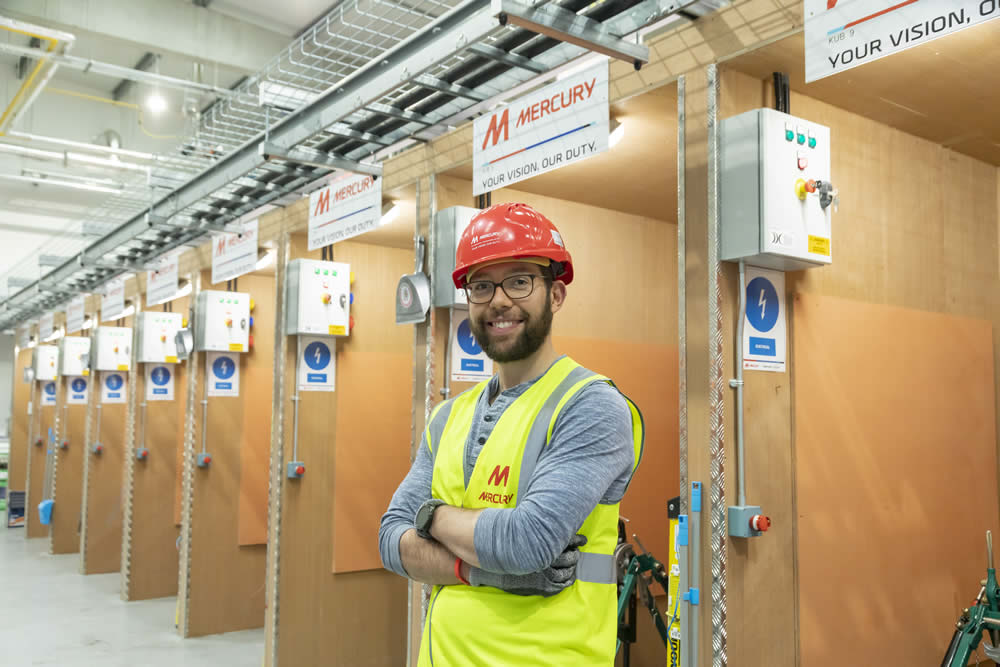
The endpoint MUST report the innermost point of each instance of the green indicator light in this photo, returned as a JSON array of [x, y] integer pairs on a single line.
[[317, 272], [802, 138], [334, 274], [789, 135], [812, 142], [326, 272]]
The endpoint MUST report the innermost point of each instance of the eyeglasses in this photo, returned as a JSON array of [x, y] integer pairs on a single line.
[[515, 287]]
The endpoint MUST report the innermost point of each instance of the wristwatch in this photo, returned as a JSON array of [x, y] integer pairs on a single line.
[[425, 516]]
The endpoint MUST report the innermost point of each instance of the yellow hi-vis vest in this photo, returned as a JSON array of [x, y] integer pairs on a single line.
[[470, 626]]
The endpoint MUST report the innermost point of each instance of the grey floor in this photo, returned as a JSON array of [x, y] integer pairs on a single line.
[[51, 615]]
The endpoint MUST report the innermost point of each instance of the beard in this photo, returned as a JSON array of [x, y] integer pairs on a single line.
[[534, 333]]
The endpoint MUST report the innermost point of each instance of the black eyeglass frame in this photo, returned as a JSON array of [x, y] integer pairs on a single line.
[[493, 293]]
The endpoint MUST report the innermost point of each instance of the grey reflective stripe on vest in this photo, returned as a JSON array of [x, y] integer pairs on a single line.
[[538, 435], [436, 429], [596, 568]]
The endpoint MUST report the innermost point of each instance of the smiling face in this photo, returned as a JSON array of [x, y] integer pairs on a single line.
[[509, 329]]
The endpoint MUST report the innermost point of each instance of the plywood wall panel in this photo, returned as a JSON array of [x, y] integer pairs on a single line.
[[103, 512], [65, 530], [43, 419], [256, 387], [154, 557], [917, 228], [17, 469], [330, 517], [226, 591], [881, 419]]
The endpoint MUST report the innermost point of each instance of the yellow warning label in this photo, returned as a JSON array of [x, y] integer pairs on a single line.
[[673, 584], [337, 331], [170, 359], [123, 367], [819, 245], [236, 347], [86, 372]]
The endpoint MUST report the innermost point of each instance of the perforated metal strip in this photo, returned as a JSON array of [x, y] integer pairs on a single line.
[[277, 476], [128, 491], [716, 395]]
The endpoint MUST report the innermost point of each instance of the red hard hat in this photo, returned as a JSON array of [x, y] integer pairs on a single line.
[[510, 232]]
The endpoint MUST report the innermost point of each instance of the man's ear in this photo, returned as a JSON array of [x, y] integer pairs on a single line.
[[558, 291]]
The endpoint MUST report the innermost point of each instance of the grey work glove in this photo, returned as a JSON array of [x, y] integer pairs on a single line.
[[558, 576]]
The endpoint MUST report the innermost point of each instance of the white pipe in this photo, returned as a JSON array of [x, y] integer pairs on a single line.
[[8, 23], [738, 385], [114, 71], [64, 40]]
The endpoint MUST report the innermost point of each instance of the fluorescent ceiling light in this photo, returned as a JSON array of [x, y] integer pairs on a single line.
[[63, 184], [616, 133], [56, 334], [156, 103], [130, 310], [39, 173], [389, 213], [266, 260]]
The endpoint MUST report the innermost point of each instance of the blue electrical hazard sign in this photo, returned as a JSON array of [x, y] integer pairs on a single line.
[[316, 364], [469, 362], [764, 329], [224, 373], [77, 391], [49, 393], [159, 382], [113, 388]]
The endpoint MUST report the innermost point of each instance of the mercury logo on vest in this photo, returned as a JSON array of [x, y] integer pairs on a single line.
[[498, 477]]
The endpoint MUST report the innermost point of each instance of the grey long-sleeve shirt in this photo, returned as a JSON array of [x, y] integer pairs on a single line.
[[588, 461]]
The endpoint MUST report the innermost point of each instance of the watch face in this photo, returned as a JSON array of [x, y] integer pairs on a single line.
[[424, 517]]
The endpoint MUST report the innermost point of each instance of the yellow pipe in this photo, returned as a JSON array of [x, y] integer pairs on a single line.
[[92, 98], [117, 103], [53, 43]]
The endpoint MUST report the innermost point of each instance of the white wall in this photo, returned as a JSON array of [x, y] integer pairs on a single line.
[[6, 382]]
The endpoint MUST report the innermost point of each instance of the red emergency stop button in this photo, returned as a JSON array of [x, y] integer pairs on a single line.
[[327, 298], [229, 322], [163, 339], [760, 522], [300, 470], [207, 459]]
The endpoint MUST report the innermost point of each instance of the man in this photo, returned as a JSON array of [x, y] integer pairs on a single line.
[[511, 507]]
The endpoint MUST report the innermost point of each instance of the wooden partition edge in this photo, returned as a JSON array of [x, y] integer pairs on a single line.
[[128, 481], [93, 396], [277, 473], [187, 486]]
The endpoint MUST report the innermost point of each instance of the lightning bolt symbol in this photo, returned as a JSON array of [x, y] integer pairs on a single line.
[[762, 303], [317, 354]]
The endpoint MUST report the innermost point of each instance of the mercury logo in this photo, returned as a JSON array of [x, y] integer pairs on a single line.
[[482, 238]]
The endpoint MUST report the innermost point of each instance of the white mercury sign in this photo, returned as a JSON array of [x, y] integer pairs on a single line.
[[346, 207], [234, 254], [842, 34], [553, 127]]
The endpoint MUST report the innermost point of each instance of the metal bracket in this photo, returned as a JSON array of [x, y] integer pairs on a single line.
[[269, 151], [566, 26]]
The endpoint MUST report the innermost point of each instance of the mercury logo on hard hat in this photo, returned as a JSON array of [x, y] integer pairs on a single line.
[[511, 232]]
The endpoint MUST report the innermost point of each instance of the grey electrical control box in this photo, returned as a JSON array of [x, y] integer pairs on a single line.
[[318, 295], [775, 194], [449, 225], [222, 321]]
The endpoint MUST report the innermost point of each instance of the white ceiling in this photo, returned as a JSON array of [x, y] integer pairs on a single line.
[[120, 32]]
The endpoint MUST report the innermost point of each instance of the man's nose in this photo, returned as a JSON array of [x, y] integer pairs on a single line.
[[500, 299]]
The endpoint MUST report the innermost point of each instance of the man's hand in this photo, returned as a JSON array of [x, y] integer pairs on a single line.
[[557, 577]]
